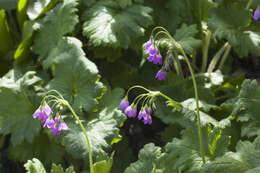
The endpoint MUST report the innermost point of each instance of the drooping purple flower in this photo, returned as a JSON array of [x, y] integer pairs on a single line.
[[130, 111], [57, 125], [147, 119], [147, 45], [43, 113], [124, 103], [141, 114], [153, 50], [161, 75], [49, 123], [256, 14], [148, 110], [159, 59]]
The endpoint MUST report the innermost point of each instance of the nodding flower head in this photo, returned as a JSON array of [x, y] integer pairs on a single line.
[[130, 111], [43, 113], [256, 14], [147, 119], [142, 114], [161, 75], [124, 103], [147, 45], [56, 125]]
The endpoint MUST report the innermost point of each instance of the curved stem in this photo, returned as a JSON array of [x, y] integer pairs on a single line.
[[177, 64], [136, 86], [216, 58], [158, 27], [224, 57], [85, 133], [197, 105], [205, 50]]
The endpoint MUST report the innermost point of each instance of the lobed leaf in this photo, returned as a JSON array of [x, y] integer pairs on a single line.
[[108, 25], [57, 22], [18, 122], [75, 77], [102, 130]]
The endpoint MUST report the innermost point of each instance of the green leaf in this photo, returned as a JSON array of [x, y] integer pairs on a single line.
[[34, 166], [246, 108], [75, 77], [37, 8], [227, 21], [43, 147], [57, 22], [103, 166], [245, 158], [185, 36], [123, 156], [101, 130], [6, 41], [109, 26], [147, 156], [59, 169], [20, 124], [8, 4], [231, 21], [254, 170]]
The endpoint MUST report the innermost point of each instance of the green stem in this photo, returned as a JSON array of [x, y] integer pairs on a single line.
[[85, 133], [136, 86], [177, 64], [197, 105], [216, 58], [224, 57], [205, 50], [249, 4]]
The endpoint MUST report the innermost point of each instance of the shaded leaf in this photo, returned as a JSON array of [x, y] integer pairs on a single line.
[[20, 124], [185, 36], [147, 156], [43, 147]]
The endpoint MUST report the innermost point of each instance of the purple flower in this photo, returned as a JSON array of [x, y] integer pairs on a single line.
[[147, 119], [142, 114], [56, 126], [43, 113], [153, 50], [124, 103], [256, 14], [147, 45], [148, 110], [49, 123], [161, 75], [130, 111]]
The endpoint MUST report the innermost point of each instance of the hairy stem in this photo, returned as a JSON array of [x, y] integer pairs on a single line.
[[85, 133]]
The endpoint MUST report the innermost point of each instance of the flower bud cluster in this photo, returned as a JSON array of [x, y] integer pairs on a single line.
[[131, 111]]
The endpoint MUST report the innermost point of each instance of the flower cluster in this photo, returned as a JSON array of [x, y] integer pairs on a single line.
[[43, 113], [256, 14], [153, 52], [155, 57], [131, 111]]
